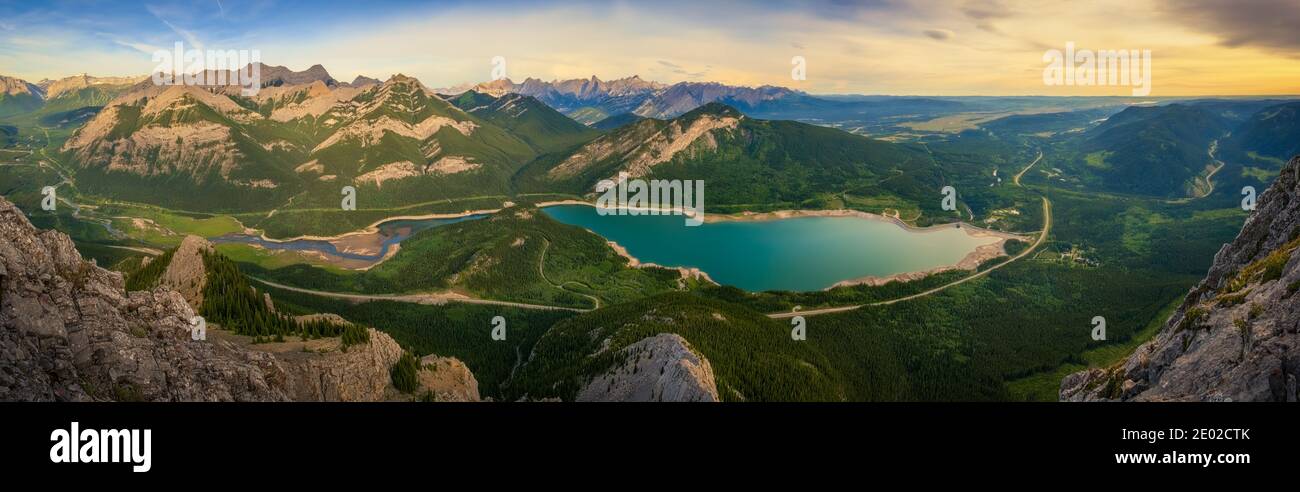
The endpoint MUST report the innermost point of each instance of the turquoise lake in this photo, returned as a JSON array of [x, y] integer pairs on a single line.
[[799, 254]]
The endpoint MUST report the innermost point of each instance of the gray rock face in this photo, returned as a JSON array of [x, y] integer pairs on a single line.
[[186, 273], [659, 368], [68, 332], [358, 374], [447, 379], [1235, 337]]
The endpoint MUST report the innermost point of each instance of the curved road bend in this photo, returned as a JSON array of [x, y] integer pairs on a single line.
[[1022, 172], [427, 299], [1047, 227], [546, 244]]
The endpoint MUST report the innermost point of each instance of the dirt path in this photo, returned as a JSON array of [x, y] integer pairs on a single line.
[[426, 299], [147, 251]]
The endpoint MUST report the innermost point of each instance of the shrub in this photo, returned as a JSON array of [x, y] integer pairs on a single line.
[[404, 373]]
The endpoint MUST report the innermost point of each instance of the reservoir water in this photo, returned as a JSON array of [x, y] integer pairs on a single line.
[[390, 233], [801, 253]]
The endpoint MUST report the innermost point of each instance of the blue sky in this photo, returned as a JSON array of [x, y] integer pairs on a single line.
[[958, 47]]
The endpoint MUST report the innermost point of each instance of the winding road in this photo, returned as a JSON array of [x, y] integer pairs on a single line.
[[1047, 226], [426, 299], [1022, 172], [546, 244], [1042, 236]]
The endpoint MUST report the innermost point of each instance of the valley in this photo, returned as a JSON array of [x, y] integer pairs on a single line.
[[476, 204]]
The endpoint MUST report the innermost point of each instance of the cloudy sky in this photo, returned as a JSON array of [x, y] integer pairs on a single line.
[[932, 47]]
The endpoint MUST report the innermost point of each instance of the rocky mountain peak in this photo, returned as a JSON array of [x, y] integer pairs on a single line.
[[12, 86], [496, 88], [363, 81], [402, 79], [186, 273], [277, 75], [1236, 337]]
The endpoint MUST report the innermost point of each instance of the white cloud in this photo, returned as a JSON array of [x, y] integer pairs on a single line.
[[187, 35]]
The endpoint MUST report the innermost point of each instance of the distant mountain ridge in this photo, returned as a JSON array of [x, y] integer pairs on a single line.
[[55, 88], [592, 100]]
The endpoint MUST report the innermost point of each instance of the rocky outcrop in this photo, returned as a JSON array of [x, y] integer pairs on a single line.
[[447, 379], [359, 373], [653, 142], [69, 332], [186, 273], [658, 368], [11, 86], [1236, 337]]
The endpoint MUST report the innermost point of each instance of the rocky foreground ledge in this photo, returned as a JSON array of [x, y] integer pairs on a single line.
[[1236, 336], [69, 332]]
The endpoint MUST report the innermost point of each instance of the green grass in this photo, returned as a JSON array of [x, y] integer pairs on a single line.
[[1263, 175], [7, 154], [1272, 160], [181, 223], [271, 260], [1097, 160]]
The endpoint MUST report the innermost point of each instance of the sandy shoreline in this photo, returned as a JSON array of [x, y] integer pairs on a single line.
[[634, 262]]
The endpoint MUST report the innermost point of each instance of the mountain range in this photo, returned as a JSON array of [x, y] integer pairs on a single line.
[[304, 134], [592, 100]]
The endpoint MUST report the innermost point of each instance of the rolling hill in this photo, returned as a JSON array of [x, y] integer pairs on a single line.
[[1150, 150], [544, 129], [744, 161], [1271, 133]]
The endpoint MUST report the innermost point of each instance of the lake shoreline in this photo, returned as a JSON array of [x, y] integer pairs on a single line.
[[970, 261], [634, 262], [358, 239]]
